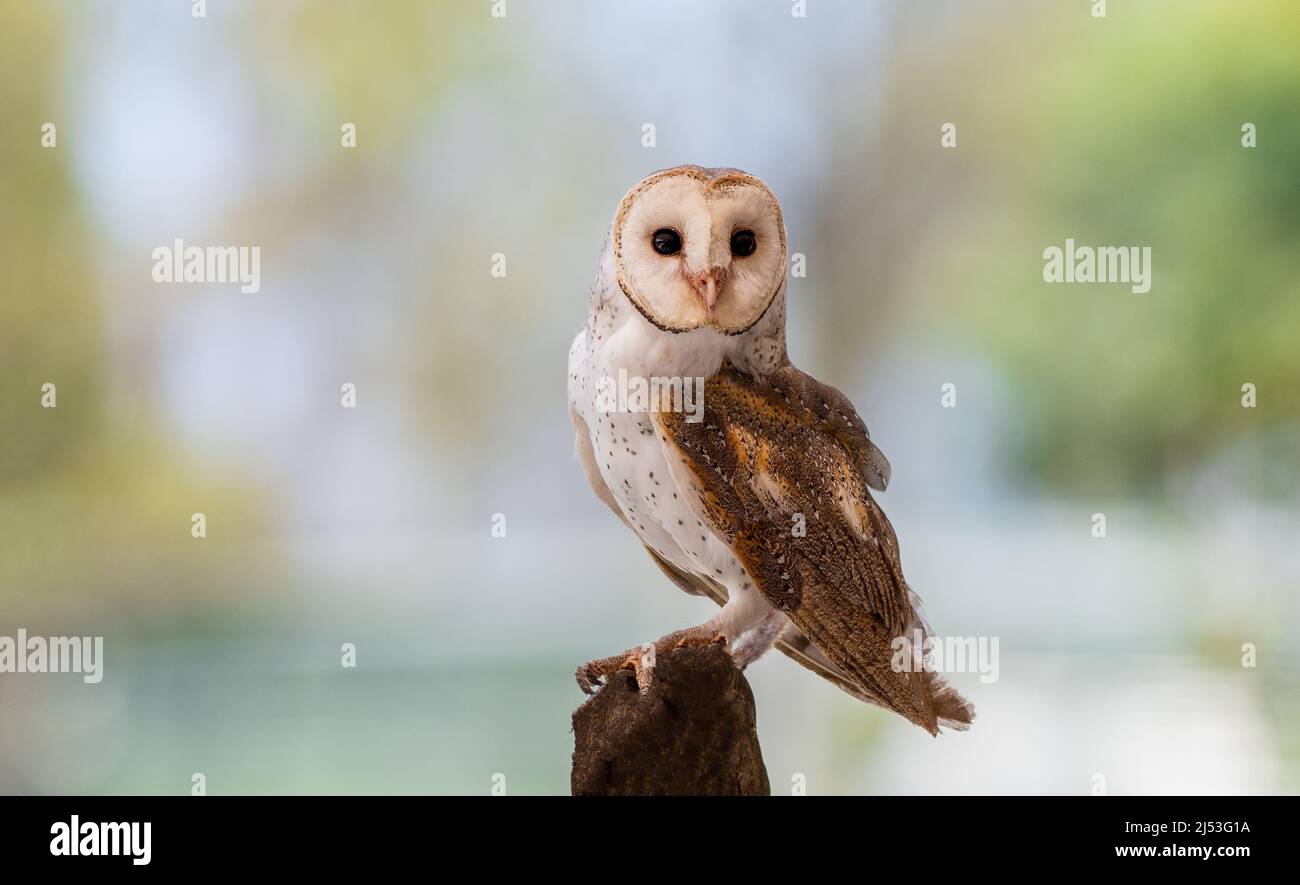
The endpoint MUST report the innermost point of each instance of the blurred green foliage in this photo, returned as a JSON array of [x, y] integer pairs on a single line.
[[50, 319], [96, 494], [1119, 131], [95, 502]]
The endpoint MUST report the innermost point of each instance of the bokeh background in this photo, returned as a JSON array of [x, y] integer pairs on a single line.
[[476, 135]]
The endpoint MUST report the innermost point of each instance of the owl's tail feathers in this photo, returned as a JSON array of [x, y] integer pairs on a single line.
[[796, 646], [950, 709], [923, 698]]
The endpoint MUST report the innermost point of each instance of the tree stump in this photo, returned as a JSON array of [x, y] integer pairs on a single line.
[[692, 734]]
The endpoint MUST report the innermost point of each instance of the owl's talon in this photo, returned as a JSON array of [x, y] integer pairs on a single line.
[[587, 681], [592, 675], [700, 639], [641, 660], [643, 665]]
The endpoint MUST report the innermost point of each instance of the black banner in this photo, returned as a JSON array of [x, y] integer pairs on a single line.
[[339, 833]]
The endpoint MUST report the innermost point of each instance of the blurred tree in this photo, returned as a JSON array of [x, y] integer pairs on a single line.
[[95, 502], [50, 321], [1118, 131]]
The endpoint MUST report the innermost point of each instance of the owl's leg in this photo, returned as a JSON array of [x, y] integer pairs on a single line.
[[757, 640], [641, 660]]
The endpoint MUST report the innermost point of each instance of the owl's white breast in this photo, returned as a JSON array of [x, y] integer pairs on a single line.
[[629, 452]]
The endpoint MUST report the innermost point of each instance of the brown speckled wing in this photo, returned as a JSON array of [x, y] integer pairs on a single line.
[[830, 411], [781, 468]]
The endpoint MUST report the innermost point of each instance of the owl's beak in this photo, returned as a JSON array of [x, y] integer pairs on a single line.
[[708, 283]]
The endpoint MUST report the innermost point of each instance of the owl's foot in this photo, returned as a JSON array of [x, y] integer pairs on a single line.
[[590, 674], [641, 660]]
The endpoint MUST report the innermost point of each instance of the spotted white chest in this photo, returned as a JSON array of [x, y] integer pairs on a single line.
[[632, 458]]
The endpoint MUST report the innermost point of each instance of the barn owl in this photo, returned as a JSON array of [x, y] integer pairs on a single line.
[[759, 500]]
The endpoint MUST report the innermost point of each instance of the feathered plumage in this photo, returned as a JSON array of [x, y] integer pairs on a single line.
[[762, 501]]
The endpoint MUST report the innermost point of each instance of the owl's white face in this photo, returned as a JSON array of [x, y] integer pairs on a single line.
[[697, 248]]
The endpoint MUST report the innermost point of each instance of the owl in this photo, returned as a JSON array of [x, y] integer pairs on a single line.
[[747, 480]]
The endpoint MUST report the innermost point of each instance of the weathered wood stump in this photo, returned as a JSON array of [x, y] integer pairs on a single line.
[[692, 734]]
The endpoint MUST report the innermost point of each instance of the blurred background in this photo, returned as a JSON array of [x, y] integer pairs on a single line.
[[476, 135]]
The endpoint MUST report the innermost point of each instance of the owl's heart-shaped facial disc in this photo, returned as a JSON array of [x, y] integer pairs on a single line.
[[696, 248]]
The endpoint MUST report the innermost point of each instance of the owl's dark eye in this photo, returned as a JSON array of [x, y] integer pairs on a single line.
[[743, 243], [666, 241]]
